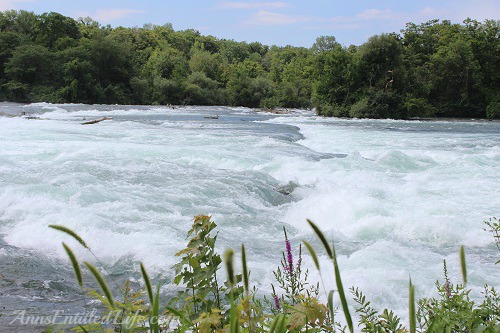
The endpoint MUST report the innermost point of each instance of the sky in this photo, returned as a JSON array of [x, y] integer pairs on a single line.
[[282, 22]]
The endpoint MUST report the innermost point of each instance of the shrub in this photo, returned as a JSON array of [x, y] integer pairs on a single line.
[[493, 110], [208, 306]]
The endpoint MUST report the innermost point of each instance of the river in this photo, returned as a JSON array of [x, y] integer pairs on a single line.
[[397, 197]]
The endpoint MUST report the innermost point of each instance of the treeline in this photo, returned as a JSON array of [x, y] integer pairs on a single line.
[[430, 69]]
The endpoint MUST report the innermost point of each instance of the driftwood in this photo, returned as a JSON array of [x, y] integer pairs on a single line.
[[211, 117], [95, 121], [274, 111]]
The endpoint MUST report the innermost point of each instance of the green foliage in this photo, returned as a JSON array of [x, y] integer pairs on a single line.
[[200, 307], [494, 227], [431, 69], [378, 104], [411, 307], [52, 27], [340, 289], [29, 64], [197, 270], [292, 280], [70, 232], [454, 311], [493, 110], [74, 262], [371, 321]]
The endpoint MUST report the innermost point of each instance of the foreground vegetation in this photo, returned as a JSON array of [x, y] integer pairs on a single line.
[[205, 304], [430, 69]]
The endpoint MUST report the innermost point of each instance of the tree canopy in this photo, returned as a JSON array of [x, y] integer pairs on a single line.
[[436, 68]]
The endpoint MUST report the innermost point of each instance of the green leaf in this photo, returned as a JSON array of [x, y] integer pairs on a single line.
[[178, 279], [413, 324], [184, 321], [330, 305], [69, 232], [280, 328], [274, 324], [321, 238], [340, 289], [463, 264], [74, 262], [233, 318], [156, 310], [83, 329], [148, 284], [313, 254], [228, 260], [102, 284], [245, 271]]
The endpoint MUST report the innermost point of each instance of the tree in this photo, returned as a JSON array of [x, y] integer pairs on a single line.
[[52, 26], [29, 64], [325, 43], [337, 81], [28, 72], [380, 59], [206, 62], [457, 80], [166, 62]]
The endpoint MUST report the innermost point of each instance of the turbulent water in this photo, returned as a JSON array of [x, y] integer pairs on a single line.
[[397, 197]]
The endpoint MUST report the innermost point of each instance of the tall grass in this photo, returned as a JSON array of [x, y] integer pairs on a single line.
[[301, 311]]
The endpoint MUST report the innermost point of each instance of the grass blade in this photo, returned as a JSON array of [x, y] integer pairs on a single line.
[[280, 328], [233, 318], [463, 264], [274, 324], [154, 319], [228, 260], [413, 325], [330, 306], [313, 254], [102, 284], [340, 289], [83, 329], [321, 238], [69, 232], [184, 321], [148, 284], [74, 262], [245, 270]]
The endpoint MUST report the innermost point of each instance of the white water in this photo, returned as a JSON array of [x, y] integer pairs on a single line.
[[405, 197]]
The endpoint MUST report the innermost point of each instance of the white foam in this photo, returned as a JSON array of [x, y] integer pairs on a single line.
[[401, 201]]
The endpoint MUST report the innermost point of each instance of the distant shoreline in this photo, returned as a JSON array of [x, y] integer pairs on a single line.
[[275, 111]]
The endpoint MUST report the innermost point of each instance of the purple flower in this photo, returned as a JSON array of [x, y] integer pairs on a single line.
[[447, 287], [277, 302], [289, 256]]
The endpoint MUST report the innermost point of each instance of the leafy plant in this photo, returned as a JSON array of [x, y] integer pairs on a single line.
[[129, 315], [292, 279], [205, 306], [197, 270], [494, 227]]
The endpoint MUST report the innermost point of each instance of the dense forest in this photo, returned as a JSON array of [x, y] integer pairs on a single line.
[[437, 68]]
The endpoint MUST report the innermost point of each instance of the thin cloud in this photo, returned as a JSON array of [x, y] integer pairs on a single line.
[[376, 14], [253, 5], [479, 10], [10, 4], [108, 15], [428, 11], [264, 17], [203, 28]]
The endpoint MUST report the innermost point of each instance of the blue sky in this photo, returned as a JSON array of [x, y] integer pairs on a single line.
[[279, 22]]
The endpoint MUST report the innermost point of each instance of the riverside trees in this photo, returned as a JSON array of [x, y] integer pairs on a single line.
[[431, 69]]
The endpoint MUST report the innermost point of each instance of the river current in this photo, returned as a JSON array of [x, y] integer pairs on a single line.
[[397, 197]]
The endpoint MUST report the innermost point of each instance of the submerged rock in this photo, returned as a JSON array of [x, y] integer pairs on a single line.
[[287, 188]]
